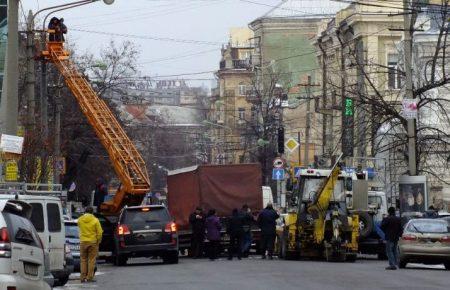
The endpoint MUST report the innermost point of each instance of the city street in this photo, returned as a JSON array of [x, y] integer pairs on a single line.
[[254, 273]]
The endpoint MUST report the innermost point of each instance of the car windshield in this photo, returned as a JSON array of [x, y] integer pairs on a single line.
[[146, 215], [313, 185], [72, 231], [375, 200], [428, 226]]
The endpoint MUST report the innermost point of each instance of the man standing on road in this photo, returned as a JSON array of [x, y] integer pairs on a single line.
[[236, 232], [90, 238], [197, 221], [392, 228], [248, 222], [267, 222]]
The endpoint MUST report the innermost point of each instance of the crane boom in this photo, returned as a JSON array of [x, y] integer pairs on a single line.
[[127, 161]]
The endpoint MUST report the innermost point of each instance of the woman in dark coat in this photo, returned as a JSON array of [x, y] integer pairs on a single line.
[[213, 228]]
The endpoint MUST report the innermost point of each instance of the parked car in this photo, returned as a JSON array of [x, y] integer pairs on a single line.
[[47, 219], [145, 231], [73, 242], [425, 241], [22, 263]]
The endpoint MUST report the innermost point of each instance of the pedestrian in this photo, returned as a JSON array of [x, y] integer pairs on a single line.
[[213, 228], [101, 191], [248, 222], [236, 232], [197, 221], [267, 222], [62, 29], [52, 26], [90, 238], [392, 228]]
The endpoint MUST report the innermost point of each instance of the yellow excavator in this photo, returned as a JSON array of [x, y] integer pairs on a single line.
[[125, 158], [318, 225]]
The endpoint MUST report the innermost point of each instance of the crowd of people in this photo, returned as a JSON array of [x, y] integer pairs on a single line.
[[206, 230]]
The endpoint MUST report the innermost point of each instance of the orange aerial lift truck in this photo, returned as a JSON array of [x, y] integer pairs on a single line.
[[125, 158]]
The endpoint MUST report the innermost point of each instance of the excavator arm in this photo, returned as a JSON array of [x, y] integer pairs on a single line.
[[319, 206], [125, 158]]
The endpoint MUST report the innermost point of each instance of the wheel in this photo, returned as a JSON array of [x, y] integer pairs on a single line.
[[402, 264], [170, 257], [447, 265], [61, 281], [365, 225], [120, 260]]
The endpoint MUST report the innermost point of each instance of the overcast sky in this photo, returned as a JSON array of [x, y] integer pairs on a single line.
[[205, 21]]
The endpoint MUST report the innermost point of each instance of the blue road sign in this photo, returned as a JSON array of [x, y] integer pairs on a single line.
[[278, 174], [297, 171]]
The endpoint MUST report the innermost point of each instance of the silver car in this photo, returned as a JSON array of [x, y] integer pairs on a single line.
[[425, 241]]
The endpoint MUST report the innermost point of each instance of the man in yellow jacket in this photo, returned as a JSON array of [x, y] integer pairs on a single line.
[[90, 238]]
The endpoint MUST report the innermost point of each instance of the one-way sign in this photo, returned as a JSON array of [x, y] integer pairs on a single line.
[[278, 174]]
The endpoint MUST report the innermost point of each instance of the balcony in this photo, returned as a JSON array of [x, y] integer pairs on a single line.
[[235, 64]]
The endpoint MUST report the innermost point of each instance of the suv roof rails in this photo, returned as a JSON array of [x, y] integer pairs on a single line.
[[31, 189]]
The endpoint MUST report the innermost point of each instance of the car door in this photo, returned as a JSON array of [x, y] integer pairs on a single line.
[[27, 255], [56, 234]]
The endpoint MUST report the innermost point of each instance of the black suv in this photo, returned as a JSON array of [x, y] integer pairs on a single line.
[[145, 231]]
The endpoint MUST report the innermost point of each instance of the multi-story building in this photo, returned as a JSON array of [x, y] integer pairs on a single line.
[[231, 113]]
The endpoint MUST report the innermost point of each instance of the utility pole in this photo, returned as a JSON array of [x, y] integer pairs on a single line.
[[308, 121], [299, 149], [44, 92], [57, 146], [31, 75], [407, 35], [9, 99]]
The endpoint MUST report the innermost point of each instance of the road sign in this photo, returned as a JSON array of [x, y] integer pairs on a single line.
[[278, 162], [11, 144], [291, 144], [278, 174], [297, 171]]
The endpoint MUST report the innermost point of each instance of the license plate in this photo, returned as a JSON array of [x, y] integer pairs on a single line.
[[74, 248], [31, 269]]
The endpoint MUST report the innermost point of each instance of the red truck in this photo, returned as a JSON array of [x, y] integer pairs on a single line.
[[219, 187]]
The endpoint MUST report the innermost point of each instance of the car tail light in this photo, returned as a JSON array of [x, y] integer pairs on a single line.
[[5, 243], [445, 239], [171, 227], [409, 238], [123, 230]]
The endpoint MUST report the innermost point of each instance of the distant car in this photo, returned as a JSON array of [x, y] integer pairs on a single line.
[[425, 241], [73, 242], [22, 262], [145, 231]]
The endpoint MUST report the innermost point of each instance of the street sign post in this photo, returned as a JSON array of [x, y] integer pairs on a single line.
[[278, 174]]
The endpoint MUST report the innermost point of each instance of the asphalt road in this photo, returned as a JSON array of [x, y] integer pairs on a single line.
[[254, 273]]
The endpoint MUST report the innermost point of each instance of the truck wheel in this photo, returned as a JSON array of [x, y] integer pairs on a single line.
[[170, 257], [365, 224]]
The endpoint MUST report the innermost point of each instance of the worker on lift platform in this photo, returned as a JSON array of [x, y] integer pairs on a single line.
[[57, 29]]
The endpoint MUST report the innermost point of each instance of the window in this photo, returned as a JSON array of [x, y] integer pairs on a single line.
[[37, 217], [242, 89], [53, 218], [21, 230], [138, 217], [241, 113], [394, 74]]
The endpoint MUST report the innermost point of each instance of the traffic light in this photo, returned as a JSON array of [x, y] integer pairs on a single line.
[[281, 140]]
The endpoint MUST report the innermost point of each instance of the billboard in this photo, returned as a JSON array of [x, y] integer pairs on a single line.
[[413, 194]]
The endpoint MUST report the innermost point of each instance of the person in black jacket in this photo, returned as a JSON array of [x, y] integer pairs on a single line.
[[197, 221], [248, 221], [267, 222], [392, 228], [236, 232]]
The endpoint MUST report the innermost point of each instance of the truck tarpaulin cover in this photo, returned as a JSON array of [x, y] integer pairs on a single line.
[[222, 187]]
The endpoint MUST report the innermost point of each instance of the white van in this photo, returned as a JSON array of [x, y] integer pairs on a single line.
[[22, 263], [47, 218]]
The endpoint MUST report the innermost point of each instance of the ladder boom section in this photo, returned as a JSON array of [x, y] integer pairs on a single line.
[[127, 161]]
